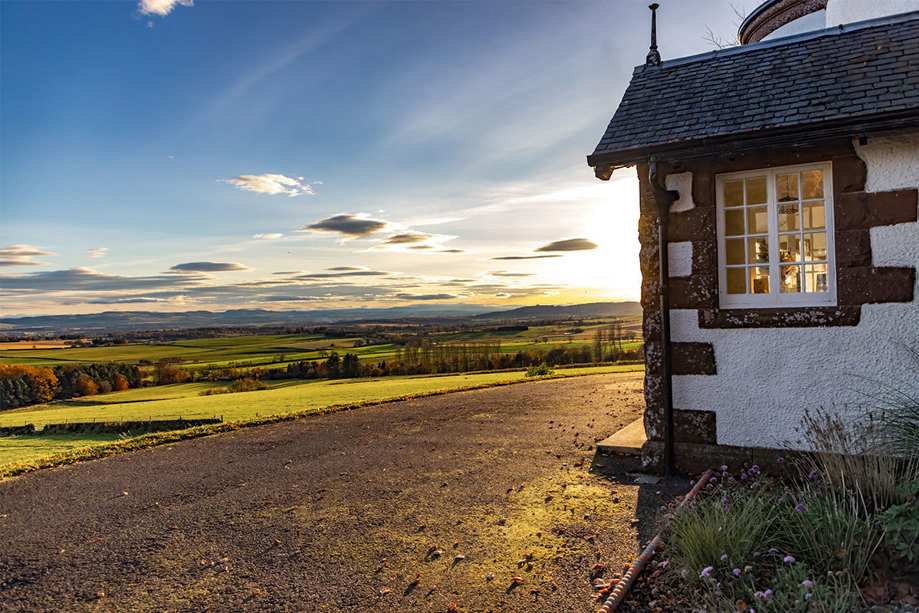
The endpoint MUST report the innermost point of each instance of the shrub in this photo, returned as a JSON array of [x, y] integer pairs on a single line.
[[540, 370], [901, 524], [246, 384]]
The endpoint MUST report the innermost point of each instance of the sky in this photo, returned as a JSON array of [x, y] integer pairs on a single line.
[[173, 155]]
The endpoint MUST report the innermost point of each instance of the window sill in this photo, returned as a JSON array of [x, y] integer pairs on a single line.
[[791, 317]]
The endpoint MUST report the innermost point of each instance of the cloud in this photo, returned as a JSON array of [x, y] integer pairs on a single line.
[[425, 296], [87, 279], [571, 244], [270, 236], [343, 268], [161, 7], [417, 247], [355, 226], [22, 255], [525, 257], [270, 184], [451, 251], [98, 252], [208, 267], [129, 300], [501, 273], [336, 275], [289, 298], [406, 238]]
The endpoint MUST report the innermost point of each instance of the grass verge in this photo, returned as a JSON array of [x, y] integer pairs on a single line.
[[70, 456]]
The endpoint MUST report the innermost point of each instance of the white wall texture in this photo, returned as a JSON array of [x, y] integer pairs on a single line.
[[849, 11], [768, 376], [807, 23]]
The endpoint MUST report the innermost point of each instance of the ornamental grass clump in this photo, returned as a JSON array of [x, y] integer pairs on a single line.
[[752, 543]]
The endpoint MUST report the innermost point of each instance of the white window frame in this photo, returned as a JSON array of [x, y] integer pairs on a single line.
[[775, 298]]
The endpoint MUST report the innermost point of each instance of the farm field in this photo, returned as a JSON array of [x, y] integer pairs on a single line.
[[278, 350], [170, 401]]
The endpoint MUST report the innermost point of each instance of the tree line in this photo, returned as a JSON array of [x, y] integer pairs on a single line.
[[22, 385]]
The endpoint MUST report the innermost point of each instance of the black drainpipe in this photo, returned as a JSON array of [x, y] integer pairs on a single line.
[[664, 201]]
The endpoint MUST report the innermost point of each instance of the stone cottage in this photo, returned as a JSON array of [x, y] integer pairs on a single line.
[[780, 177]]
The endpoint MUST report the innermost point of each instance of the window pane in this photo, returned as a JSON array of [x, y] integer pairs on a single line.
[[733, 254], [757, 220], [815, 246], [791, 279], [786, 187], [790, 247], [759, 280], [756, 190], [737, 283], [733, 223], [733, 193], [812, 184], [814, 216], [815, 278], [788, 217], [758, 250]]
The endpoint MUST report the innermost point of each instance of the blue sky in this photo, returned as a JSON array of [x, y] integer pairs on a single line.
[[171, 155]]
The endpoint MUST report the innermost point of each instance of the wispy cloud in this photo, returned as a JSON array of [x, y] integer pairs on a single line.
[[209, 267], [406, 238], [23, 255], [87, 279], [570, 244], [98, 252], [523, 257], [161, 7], [406, 296], [350, 226], [347, 273], [270, 183], [268, 236]]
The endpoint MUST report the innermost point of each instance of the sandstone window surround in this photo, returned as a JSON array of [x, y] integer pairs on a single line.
[[776, 237]]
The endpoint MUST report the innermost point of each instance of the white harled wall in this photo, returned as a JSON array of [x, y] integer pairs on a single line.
[[768, 376]]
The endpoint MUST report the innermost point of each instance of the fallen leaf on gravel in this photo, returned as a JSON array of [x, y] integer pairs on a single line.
[[516, 580], [384, 591], [100, 594], [256, 592], [489, 576], [276, 542]]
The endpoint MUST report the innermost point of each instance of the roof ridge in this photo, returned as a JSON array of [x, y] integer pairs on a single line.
[[784, 40]]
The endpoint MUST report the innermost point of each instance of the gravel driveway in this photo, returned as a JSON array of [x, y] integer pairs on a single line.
[[406, 506]]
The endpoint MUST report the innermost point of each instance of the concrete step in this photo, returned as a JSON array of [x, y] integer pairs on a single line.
[[627, 441]]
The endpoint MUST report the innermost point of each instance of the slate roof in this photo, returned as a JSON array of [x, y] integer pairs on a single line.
[[836, 76]]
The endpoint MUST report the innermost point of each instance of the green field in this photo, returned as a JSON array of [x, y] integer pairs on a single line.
[[285, 397], [277, 350]]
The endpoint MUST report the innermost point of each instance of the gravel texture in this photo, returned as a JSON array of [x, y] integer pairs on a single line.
[[342, 511]]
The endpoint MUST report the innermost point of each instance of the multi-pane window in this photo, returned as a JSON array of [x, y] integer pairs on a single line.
[[775, 235]]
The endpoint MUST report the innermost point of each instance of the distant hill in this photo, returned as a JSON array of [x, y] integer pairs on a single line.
[[131, 321], [591, 309]]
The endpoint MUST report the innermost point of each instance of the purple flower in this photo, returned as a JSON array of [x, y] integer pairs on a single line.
[[713, 480], [724, 557], [779, 460], [754, 484], [807, 583], [767, 593], [755, 554], [789, 559], [799, 507], [684, 573], [808, 596], [753, 470], [736, 572], [665, 564], [706, 571], [812, 475], [726, 499], [743, 476], [709, 486], [731, 480], [724, 467], [773, 550]]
